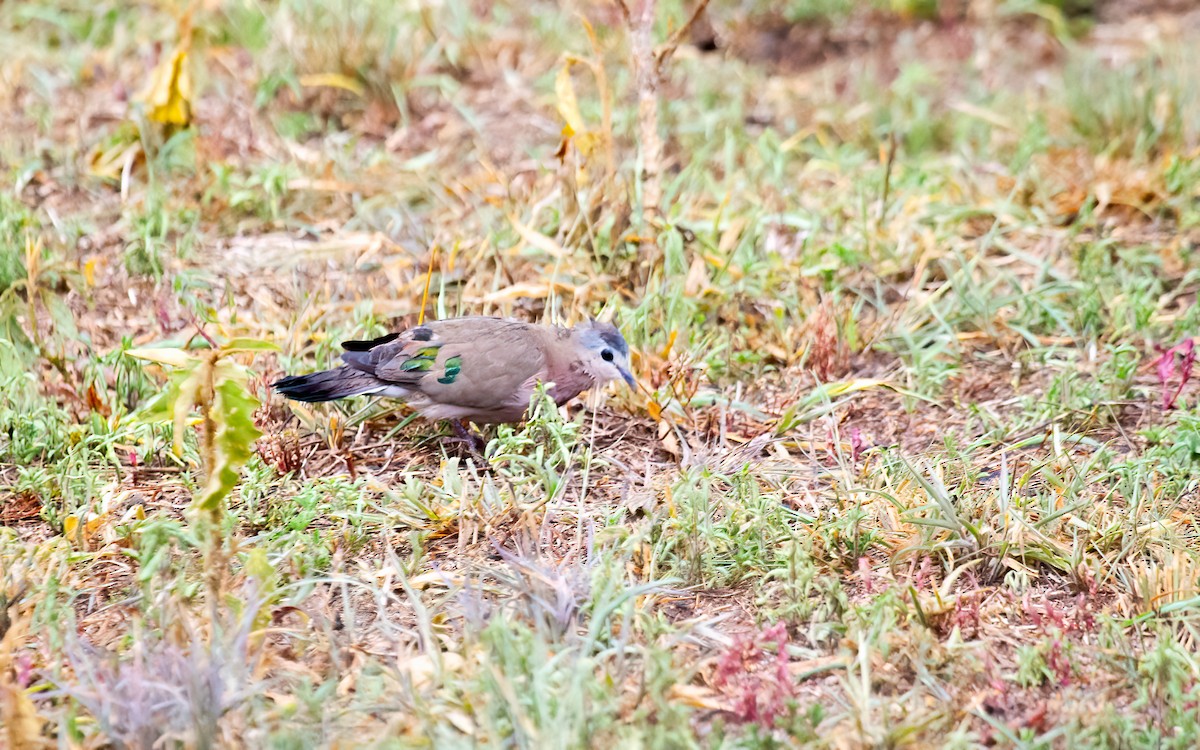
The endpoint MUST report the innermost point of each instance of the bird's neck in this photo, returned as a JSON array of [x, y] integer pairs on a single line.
[[568, 388], [565, 369]]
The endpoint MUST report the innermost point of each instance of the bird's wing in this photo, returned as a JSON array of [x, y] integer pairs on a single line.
[[477, 362]]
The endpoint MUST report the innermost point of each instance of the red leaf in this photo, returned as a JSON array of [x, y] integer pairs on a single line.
[[857, 444], [1165, 367]]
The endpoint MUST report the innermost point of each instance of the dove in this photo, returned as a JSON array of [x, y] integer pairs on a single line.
[[477, 369]]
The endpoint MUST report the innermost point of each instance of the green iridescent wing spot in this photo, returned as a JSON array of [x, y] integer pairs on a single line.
[[453, 367], [417, 364], [422, 360]]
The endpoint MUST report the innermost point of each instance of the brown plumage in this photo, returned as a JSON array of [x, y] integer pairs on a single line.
[[476, 368]]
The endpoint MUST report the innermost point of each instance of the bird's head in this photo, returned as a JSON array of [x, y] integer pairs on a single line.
[[604, 355]]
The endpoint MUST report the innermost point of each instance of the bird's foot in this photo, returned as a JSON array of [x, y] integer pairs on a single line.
[[472, 439]]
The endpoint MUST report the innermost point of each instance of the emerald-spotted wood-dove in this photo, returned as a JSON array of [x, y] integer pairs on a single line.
[[475, 368]]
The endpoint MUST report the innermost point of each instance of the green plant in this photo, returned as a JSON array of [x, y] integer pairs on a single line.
[[211, 383], [32, 287]]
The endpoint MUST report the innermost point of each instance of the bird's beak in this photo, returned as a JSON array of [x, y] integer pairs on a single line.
[[628, 378]]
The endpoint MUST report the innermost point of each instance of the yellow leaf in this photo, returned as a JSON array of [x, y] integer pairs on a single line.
[[325, 186], [852, 386], [528, 290], [587, 141], [22, 725], [109, 160], [282, 700], [538, 240], [575, 130], [697, 283], [568, 105], [666, 352], [188, 390], [461, 721], [667, 437], [169, 94], [333, 80], [334, 433], [422, 669], [92, 525], [435, 578], [724, 265], [166, 356], [696, 696], [307, 416]]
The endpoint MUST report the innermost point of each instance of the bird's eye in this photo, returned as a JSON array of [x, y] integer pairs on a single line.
[[606, 355]]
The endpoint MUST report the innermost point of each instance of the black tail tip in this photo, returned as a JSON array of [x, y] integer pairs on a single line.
[[300, 388], [329, 385]]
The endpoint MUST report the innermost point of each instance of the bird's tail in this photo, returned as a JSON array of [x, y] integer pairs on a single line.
[[329, 385]]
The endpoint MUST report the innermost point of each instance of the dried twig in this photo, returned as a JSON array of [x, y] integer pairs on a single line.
[[648, 62], [887, 174], [199, 331], [648, 76], [667, 48]]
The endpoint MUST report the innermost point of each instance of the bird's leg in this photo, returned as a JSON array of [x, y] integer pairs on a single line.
[[473, 439]]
